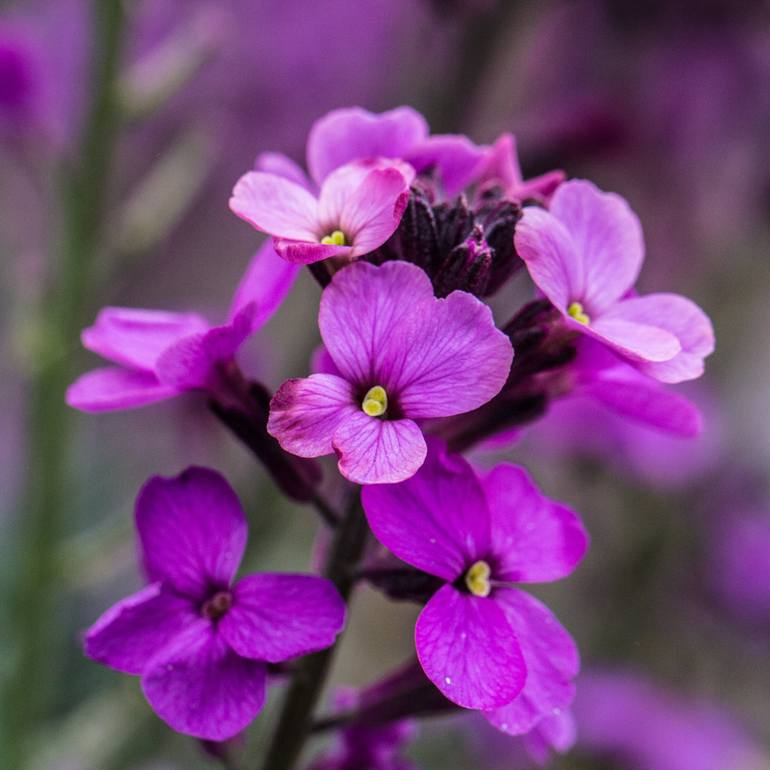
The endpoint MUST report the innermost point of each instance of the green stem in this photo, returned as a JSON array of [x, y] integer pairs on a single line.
[[295, 722], [84, 190]]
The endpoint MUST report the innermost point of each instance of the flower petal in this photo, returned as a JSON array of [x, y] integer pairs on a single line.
[[608, 237], [136, 338], [551, 660], [201, 687], [276, 617], [307, 252], [553, 262], [354, 133], [276, 206], [468, 649], [305, 413], [535, 539], [192, 530], [438, 520], [132, 631], [375, 451], [456, 158], [633, 340], [111, 388], [278, 164], [266, 282]]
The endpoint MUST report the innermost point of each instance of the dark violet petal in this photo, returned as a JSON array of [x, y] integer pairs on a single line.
[[468, 650], [305, 413], [111, 388], [201, 687], [275, 617], [132, 631], [438, 520], [534, 539], [192, 531], [376, 451]]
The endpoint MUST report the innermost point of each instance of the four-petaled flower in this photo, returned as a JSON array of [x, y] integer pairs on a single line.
[[483, 642], [585, 254], [199, 641], [401, 355]]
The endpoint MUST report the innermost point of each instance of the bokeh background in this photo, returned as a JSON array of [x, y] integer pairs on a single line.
[[122, 130]]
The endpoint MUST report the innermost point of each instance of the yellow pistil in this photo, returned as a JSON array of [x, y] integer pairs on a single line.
[[477, 579], [575, 310], [335, 238], [375, 402]]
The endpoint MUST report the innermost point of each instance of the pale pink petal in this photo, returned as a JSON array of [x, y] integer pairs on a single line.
[[467, 648], [192, 531], [637, 341], [307, 252], [276, 206], [136, 338], [354, 133], [608, 237], [456, 159], [376, 451], [549, 253], [278, 164], [275, 617], [438, 520], [132, 631], [536, 540], [201, 687], [111, 388], [305, 413]]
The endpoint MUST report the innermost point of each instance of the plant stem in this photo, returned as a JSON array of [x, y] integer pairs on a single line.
[[84, 189], [295, 723]]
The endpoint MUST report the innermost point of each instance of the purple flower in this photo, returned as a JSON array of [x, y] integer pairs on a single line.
[[585, 254], [401, 355], [198, 640], [481, 641], [357, 209], [161, 354]]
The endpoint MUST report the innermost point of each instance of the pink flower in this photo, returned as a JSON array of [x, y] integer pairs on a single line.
[[585, 254], [484, 643], [401, 355]]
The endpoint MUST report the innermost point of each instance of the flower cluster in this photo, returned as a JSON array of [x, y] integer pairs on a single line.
[[408, 235]]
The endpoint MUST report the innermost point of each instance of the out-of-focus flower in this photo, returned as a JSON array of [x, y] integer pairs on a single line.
[[401, 355], [484, 643], [199, 641], [585, 255], [358, 208], [161, 354], [646, 727]]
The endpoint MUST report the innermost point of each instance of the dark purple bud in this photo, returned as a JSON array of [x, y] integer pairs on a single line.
[[466, 267], [403, 583]]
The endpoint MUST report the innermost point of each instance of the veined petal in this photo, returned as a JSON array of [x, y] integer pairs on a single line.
[[375, 451], [305, 413], [275, 617], [192, 530], [633, 340], [111, 388], [132, 631], [438, 520], [607, 235], [276, 206], [307, 252], [201, 687], [535, 539], [468, 649]]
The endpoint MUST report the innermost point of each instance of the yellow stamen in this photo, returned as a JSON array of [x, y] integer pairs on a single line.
[[335, 238], [375, 402], [477, 579], [575, 310]]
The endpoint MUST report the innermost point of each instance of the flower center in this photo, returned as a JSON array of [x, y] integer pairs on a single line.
[[477, 579], [575, 310], [215, 607], [375, 402], [335, 238]]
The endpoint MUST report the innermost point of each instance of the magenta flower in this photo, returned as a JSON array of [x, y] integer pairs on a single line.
[[199, 641], [161, 354], [401, 355], [484, 643], [357, 209], [585, 254]]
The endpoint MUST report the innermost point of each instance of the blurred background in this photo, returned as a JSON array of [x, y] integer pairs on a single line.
[[122, 130]]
